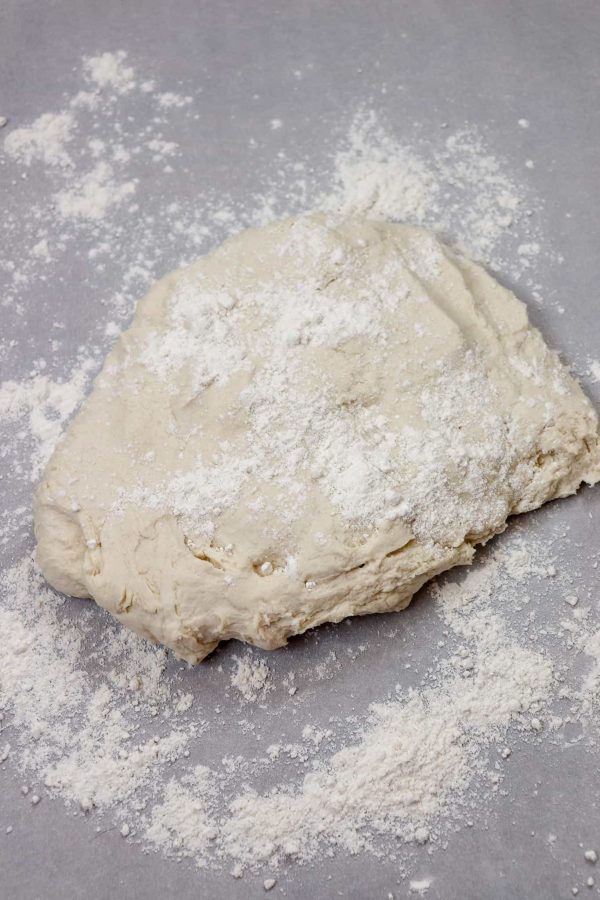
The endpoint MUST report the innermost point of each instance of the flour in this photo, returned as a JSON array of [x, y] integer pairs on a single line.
[[293, 424], [589, 694], [92, 195], [43, 141], [107, 723], [181, 821], [413, 755], [250, 678], [170, 100], [458, 188], [419, 886], [45, 406], [410, 760], [109, 71], [99, 762], [380, 178]]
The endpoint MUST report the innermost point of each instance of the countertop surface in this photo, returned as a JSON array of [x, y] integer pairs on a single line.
[[446, 63]]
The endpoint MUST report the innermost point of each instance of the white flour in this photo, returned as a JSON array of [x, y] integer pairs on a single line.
[[109, 70], [349, 455], [460, 189], [92, 195], [43, 141], [97, 717], [414, 757], [43, 406], [251, 677]]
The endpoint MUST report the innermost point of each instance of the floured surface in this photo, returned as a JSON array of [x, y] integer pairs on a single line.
[[88, 698], [307, 424]]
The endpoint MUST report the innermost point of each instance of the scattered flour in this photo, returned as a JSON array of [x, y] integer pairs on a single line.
[[44, 406], [94, 761], [110, 71], [377, 177], [459, 189], [590, 691], [420, 886], [92, 195], [181, 820], [169, 99], [411, 760], [250, 678], [43, 141]]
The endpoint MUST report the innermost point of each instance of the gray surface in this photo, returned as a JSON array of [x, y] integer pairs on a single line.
[[486, 62]]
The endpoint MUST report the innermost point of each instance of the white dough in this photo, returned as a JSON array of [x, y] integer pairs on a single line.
[[306, 424]]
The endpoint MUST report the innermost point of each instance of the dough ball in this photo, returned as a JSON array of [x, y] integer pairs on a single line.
[[306, 424]]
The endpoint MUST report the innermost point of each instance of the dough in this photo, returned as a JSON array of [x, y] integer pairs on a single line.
[[306, 424]]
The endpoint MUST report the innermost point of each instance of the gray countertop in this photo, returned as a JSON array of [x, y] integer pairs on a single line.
[[448, 61]]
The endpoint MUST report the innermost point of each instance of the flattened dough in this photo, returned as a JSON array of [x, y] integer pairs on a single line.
[[306, 424]]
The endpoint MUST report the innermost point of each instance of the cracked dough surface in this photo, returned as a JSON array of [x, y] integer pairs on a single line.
[[306, 424]]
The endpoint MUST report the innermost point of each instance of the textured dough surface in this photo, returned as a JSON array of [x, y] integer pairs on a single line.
[[307, 424]]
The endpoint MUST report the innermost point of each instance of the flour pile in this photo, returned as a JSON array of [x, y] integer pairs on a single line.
[[114, 727], [413, 759]]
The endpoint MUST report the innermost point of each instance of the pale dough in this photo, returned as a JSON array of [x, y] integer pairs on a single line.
[[306, 424]]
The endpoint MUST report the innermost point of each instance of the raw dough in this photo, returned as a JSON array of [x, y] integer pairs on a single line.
[[306, 424]]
